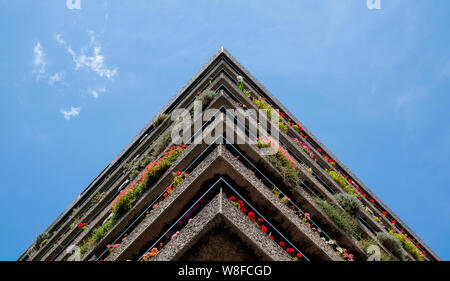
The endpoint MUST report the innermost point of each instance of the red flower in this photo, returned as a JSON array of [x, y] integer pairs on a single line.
[[251, 215], [244, 210], [384, 213], [299, 255], [394, 222], [282, 244], [290, 250], [232, 198], [165, 195], [178, 173], [260, 220], [263, 228], [271, 237], [240, 203]]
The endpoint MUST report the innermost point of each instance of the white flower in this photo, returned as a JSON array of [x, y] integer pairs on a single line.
[[339, 249], [240, 79], [331, 242]]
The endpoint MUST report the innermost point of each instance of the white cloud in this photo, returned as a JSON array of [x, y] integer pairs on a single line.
[[39, 62], [96, 62], [57, 77], [74, 111], [95, 93], [60, 41]]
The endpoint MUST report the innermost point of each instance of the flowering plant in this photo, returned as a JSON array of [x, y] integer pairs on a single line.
[[259, 223], [83, 225], [261, 102], [149, 256], [111, 248], [129, 195]]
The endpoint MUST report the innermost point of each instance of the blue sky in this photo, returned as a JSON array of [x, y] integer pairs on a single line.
[[77, 85]]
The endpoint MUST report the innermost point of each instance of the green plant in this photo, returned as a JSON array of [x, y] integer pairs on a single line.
[[97, 197], [407, 245], [392, 244], [283, 162], [296, 128], [339, 217], [75, 222], [134, 167], [128, 197], [161, 143], [41, 239], [138, 166], [97, 235], [366, 243], [261, 104], [342, 182], [286, 169], [159, 119], [349, 202], [206, 97]]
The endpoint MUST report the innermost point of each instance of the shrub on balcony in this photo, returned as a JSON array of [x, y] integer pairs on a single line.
[[206, 97], [283, 162], [339, 217], [161, 143], [41, 239], [392, 244], [349, 202], [304, 147], [366, 243], [342, 182], [128, 197], [261, 104], [407, 245], [134, 167], [97, 197], [97, 235], [159, 119]]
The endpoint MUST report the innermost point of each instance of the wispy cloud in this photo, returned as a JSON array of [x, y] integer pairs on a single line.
[[60, 41], [57, 77], [74, 111], [95, 62], [39, 62], [95, 93]]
